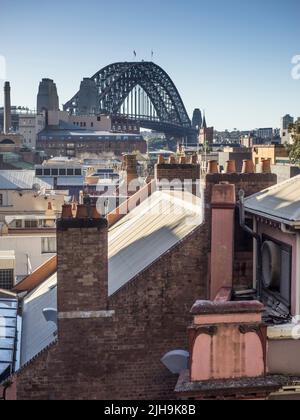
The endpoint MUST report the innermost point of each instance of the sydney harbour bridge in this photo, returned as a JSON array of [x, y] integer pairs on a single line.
[[138, 91]]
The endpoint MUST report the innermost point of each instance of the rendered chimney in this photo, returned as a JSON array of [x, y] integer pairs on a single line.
[[213, 167], [230, 167], [7, 109], [222, 237], [248, 167], [82, 271]]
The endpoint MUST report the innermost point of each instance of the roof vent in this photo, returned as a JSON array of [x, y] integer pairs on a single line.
[[176, 361]]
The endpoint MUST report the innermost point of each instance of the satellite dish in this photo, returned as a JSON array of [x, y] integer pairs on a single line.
[[176, 361], [50, 315]]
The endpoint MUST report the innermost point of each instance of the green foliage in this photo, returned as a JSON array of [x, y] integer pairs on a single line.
[[294, 149]]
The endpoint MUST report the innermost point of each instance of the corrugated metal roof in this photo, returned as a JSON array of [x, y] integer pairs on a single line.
[[37, 333], [149, 231], [280, 202], [138, 240], [8, 332], [19, 179]]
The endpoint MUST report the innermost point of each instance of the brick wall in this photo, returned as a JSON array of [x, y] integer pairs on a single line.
[[119, 357]]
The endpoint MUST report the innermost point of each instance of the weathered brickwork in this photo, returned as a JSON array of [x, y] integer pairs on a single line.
[[118, 357]]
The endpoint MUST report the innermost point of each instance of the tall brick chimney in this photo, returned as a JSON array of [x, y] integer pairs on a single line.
[[222, 239], [7, 109], [82, 253]]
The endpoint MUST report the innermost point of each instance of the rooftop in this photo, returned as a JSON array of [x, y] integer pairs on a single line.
[[281, 202], [20, 179], [135, 243]]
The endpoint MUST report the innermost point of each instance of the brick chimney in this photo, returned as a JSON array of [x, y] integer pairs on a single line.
[[222, 237], [179, 173], [130, 166], [7, 109], [82, 253]]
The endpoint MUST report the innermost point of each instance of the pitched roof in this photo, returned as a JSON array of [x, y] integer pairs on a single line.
[[281, 202], [20, 179], [37, 333], [135, 243]]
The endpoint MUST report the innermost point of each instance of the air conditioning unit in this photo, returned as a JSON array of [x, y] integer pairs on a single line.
[[276, 269], [271, 265]]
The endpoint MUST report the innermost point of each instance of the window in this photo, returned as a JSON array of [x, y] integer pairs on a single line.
[[6, 279], [62, 172], [70, 172], [47, 172], [48, 245], [31, 224], [98, 118], [92, 124], [54, 172], [19, 224], [78, 172], [1, 200]]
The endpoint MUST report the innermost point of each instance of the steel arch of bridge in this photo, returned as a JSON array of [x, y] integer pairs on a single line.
[[118, 82]]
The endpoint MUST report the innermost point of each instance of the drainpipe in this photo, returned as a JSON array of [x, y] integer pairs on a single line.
[[258, 239]]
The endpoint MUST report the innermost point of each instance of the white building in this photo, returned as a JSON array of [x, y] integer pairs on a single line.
[[29, 126]]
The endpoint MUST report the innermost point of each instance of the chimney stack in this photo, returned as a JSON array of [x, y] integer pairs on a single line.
[[222, 241], [82, 252], [7, 109]]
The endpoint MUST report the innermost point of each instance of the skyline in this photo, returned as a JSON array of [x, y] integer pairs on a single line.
[[220, 55]]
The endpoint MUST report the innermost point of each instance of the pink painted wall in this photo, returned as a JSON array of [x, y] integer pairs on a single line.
[[222, 250], [227, 355]]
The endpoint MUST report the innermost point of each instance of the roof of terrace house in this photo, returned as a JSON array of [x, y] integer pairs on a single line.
[[280, 203], [134, 243]]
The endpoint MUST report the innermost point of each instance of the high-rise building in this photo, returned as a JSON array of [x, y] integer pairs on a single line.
[[47, 99], [286, 121]]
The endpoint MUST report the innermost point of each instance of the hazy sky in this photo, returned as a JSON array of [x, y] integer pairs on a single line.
[[231, 57]]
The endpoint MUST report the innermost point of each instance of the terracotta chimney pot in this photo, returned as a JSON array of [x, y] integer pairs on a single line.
[[248, 167], [82, 212], [213, 167], [172, 160], [182, 160], [230, 167], [161, 160], [67, 211]]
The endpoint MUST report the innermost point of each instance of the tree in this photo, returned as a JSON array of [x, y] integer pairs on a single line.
[[294, 148]]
